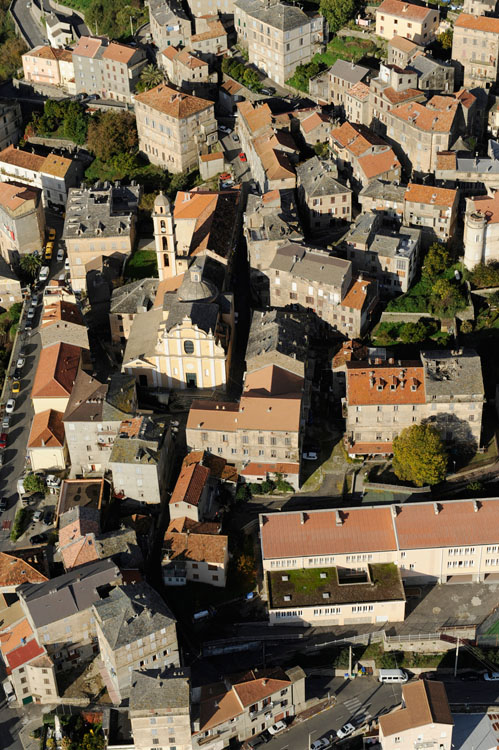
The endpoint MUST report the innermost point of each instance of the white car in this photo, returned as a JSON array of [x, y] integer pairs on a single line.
[[34, 300], [310, 456], [323, 744], [10, 405], [37, 515], [67, 267], [31, 313], [60, 255], [44, 273], [491, 676], [280, 726], [52, 481], [345, 730], [20, 363]]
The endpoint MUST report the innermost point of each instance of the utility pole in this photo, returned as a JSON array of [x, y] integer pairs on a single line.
[[457, 654], [350, 661], [131, 25]]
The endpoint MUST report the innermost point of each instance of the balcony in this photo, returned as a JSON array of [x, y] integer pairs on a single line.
[[266, 709]]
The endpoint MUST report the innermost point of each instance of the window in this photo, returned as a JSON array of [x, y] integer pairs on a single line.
[[189, 347]]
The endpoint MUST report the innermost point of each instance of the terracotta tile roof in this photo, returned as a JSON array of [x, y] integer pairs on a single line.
[[50, 53], [353, 349], [209, 548], [300, 534], [15, 636], [385, 384], [79, 552], [171, 102], [119, 52], [370, 449], [218, 466], [359, 90], [216, 29], [194, 527], [190, 485], [47, 430], [376, 165], [212, 157], [87, 46], [67, 312], [477, 23], [426, 118], [404, 10], [403, 44], [217, 708], [189, 60], [446, 160], [254, 469], [56, 371], [258, 688], [425, 703], [456, 523], [231, 87], [13, 196], [23, 159], [193, 205], [397, 97], [167, 285], [466, 98], [24, 654], [56, 165], [314, 121], [430, 195], [272, 196], [357, 294], [356, 138], [255, 116], [72, 529], [170, 52], [488, 206], [14, 571]]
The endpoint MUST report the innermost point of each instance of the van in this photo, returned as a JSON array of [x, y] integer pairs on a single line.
[[392, 675]]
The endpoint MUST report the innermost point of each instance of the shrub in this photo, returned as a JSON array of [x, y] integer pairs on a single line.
[[20, 523], [33, 483], [243, 493]]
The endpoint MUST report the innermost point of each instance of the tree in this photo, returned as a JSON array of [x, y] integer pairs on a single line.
[[337, 12], [446, 297], [445, 39], [413, 333], [150, 77], [33, 483], [113, 136], [419, 455], [485, 274], [437, 260], [246, 565], [30, 264], [466, 326]]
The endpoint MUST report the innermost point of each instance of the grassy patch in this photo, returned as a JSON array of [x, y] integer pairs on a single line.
[[20, 524], [346, 48], [141, 265]]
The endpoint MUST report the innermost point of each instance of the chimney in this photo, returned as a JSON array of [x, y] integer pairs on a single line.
[[339, 520], [303, 518], [475, 506], [436, 508]]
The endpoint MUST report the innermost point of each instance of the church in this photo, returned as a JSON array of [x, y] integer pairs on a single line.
[[185, 340]]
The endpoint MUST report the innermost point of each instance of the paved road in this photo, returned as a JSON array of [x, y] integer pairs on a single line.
[[358, 701], [11, 723], [30, 27]]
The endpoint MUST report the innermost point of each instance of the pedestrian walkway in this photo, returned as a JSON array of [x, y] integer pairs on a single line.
[[360, 714]]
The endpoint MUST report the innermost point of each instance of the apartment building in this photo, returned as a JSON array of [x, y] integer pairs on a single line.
[[415, 22], [323, 198], [109, 69], [444, 542], [10, 123], [331, 86], [174, 127], [141, 458], [278, 37], [419, 131], [22, 221], [432, 209], [50, 66], [444, 388], [475, 44], [263, 426], [170, 24], [242, 706], [315, 128], [55, 376], [160, 708], [480, 7], [386, 198], [47, 447], [135, 630], [188, 556], [62, 322], [325, 284], [60, 610], [423, 718], [92, 419], [481, 230], [401, 51], [433, 75], [391, 87], [193, 492], [100, 223], [474, 175], [186, 69], [210, 39], [187, 341], [363, 155], [31, 673], [52, 174], [357, 104], [270, 220], [391, 257]]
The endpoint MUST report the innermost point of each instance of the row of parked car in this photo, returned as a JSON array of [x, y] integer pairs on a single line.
[[321, 744]]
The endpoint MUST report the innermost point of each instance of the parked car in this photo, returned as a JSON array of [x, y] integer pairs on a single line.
[[51, 234], [345, 730], [37, 515], [256, 741], [44, 273], [268, 92], [48, 518], [276, 728], [242, 156], [323, 744], [10, 406], [16, 386], [264, 736], [60, 255], [20, 363], [31, 313], [491, 676], [38, 538], [5, 421], [3, 440], [228, 184], [310, 456], [93, 97], [35, 298], [3, 504]]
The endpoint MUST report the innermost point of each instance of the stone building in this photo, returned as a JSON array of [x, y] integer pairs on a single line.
[[109, 69], [363, 155], [401, 50], [188, 556], [415, 22], [391, 87], [481, 230], [170, 24], [323, 198], [475, 45], [127, 301], [384, 197], [100, 222], [160, 708], [433, 210], [357, 104], [62, 322], [174, 127], [22, 221], [331, 86], [10, 123], [433, 75]]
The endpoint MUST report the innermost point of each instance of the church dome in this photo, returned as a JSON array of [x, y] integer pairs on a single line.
[[196, 289]]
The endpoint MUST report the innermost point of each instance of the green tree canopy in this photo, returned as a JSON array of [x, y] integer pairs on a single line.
[[413, 333], [30, 264], [445, 39], [337, 12], [33, 483], [419, 455], [437, 260], [112, 134], [68, 118], [150, 77], [485, 274], [446, 297]]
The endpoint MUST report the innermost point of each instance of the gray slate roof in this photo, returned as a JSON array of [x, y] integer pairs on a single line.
[[100, 211], [138, 296], [348, 71], [387, 191], [448, 373], [424, 65], [143, 449], [391, 244], [313, 265], [68, 594], [92, 400], [166, 12], [318, 178], [79, 513], [122, 547], [132, 612], [274, 331], [280, 16], [156, 690]]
